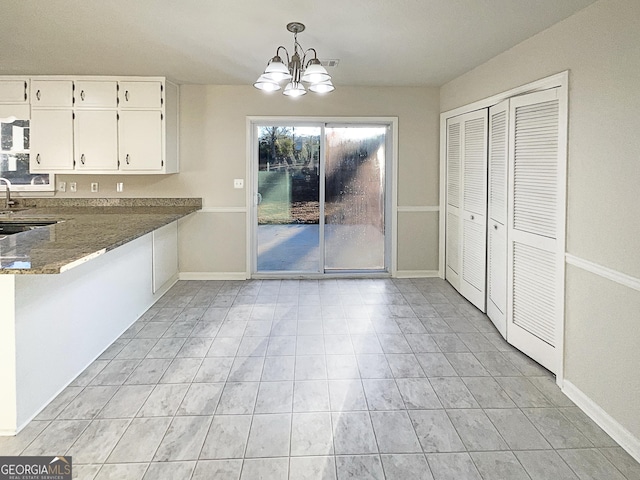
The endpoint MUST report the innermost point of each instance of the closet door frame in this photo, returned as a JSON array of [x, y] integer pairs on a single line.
[[561, 81]]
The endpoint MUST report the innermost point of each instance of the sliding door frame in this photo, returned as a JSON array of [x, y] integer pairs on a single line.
[[391, 196]]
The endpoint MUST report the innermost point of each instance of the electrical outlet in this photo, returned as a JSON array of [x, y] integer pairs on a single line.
[[119, 187], [62, 186], [238, 183], [94, 187], [73, 187]]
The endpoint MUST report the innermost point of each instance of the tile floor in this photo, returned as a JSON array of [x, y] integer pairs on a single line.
[[330, 379]]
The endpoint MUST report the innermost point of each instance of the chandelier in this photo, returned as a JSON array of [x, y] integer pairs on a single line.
[[296, 70]]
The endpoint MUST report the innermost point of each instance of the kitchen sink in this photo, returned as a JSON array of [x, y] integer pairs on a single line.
[[10, 227]]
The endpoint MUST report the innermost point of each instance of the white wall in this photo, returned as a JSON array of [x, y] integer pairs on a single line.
[[213, 150], [600, 46]]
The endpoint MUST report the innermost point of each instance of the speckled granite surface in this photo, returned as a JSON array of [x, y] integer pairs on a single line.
[[86, 227]]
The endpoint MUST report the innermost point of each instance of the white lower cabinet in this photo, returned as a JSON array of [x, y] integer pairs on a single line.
[[51, 140], [96, 140], [140, 140]]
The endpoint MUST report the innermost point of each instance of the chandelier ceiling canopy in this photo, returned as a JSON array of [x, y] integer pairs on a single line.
[[299, 67]]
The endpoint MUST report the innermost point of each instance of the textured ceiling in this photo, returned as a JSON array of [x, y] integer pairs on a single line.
[[378, 42]]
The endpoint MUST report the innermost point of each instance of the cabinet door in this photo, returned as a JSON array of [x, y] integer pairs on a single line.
[[13, 91], [96, 140], [96, 94], [51, 93], [140, 95], [51, 140], [140, 138]]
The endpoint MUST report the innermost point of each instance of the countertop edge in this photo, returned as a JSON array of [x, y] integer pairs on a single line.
[[87, 255]]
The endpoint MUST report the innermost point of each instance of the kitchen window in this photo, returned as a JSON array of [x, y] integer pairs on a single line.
[[14, 158]]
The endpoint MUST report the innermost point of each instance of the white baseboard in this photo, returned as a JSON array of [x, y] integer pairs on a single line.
[[213, 275], [416, 273], [605, 421]]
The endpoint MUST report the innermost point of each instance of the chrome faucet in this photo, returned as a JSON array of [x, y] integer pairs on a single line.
[[8, 202]]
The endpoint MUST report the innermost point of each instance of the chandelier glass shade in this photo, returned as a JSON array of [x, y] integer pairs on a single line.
[[299, 67]]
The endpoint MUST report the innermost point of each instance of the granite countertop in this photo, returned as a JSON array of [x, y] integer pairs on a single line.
[[86, 228]]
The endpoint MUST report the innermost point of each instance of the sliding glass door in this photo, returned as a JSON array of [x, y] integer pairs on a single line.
[[288, 197], [355, 198], [320, 199]]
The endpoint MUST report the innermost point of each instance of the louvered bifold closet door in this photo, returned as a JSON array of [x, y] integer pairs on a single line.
[[497, 207], [537, 176], [454, 200], [474, 207]]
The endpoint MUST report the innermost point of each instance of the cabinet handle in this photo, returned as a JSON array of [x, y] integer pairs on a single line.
[[126, 159], [38, 94], [126, 95], [82, 95], [495, 227], [38, 159], [82, 159], [473, 217]]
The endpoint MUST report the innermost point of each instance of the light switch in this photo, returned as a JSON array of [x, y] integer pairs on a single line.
[[238, 183], [73, 186], [62, 186], [119, 187], [94, 187]]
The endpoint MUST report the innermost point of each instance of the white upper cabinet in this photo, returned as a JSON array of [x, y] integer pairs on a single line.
[[99, 125], [96, 140], [96, 94], [141, 95], [51, 93], [51, 140], [140, 135], [14, 91]]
